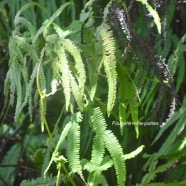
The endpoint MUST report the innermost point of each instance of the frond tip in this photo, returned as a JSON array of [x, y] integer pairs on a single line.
[[153, 13]]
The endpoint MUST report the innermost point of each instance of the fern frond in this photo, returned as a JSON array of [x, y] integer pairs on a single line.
[[61, 71], [115, 150], [76, 92], [109, 62], [99, 126], [10, 158], [153, 13], [73, 149], [25, 23], [74, 51], [29, 87], [134, 153]]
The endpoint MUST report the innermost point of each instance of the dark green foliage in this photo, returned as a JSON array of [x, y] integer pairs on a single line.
[[94, 75], [10, 160]]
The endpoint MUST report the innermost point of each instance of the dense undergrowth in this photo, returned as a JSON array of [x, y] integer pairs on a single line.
[[97, 93]]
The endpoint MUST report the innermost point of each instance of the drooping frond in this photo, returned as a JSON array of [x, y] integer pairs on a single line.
[[74, 51], [109, 63]]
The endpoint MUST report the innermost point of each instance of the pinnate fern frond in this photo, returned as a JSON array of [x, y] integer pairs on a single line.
[[109, 63], [74, 51], [116, 152], [111, 143], [73, 149], [99, 126]]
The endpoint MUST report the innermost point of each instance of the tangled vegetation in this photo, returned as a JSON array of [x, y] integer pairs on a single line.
[[98, 93]]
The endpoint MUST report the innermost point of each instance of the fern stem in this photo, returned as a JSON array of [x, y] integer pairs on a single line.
[[67, 173], [42, 103], [58, 175]]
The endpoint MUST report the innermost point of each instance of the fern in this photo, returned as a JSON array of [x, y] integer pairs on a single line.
[[109, 62], [73, 50], [114, 148], [99, 126], [153, 13], [134, 153], [74, 147], [8, 173]]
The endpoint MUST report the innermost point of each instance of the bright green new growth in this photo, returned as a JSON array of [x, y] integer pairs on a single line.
[[109, 63]]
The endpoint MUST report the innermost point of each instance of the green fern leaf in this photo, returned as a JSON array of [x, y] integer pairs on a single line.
[[99, 126], [134, 153], [61, 71], [73, 149], [114, 148], [153, 13], [109, 62], [74, 51], [60, 141], [76, 92]]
